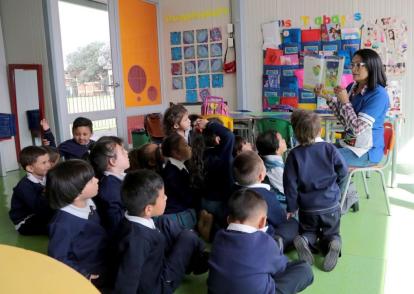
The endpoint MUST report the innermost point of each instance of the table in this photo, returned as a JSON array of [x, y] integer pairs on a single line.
[[25, 271]]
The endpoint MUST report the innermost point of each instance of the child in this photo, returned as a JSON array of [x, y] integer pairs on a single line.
[[311, 179], [271, 147], [110, 160], [240, 145], [76, 237], [29, 210], [148, 156], [176, 120], [244, 259], [249, 172], [54, 155], [156, 253], [79, 145]]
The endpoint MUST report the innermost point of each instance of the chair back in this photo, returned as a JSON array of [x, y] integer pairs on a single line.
[[153, 126], [389, 138], [282, 126]]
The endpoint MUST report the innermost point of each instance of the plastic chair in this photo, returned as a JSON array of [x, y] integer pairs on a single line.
[[282, 126], [389, 138], [153, 126], [226, 120]]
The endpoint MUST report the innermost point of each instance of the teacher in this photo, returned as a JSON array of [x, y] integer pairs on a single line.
[[361, 109]]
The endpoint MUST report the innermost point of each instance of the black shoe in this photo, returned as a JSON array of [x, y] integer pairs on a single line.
[[201, 265], [302, 247], [332, 257]]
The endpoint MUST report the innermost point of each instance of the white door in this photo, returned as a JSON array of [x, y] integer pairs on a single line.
[[84, 67]]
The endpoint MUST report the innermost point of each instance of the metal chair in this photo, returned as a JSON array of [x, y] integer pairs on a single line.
[[389, 138]]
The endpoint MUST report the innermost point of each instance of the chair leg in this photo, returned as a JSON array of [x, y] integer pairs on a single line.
[[387, 201], [364, 178], [346, 189]]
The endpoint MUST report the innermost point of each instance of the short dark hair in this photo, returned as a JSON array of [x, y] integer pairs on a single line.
[[306, 125], [142, 158], [173, 115], [139, 189], [247, 168], [53, 153], [66, 180], [267, 143], [82, 122], [374, 66], [171, 144], [239, 141], [244, 204], [28, 155], [102, 151]]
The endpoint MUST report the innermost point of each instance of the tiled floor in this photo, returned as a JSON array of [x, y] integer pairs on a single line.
[[377, 255]]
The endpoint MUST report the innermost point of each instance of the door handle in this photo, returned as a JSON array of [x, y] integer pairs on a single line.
[[114, 85]]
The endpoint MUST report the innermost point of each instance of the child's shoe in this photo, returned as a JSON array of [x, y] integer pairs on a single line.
[[302, 247], [332, 257]]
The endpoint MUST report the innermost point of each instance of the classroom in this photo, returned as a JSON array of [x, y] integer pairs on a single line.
[[183, 99]]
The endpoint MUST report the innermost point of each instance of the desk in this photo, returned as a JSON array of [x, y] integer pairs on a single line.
[[25, 271]]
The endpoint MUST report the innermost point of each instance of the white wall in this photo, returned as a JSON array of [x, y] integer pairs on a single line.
[[185, 7], [257, 12], [25, 42]]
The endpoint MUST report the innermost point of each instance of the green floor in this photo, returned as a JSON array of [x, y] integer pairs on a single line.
[[377, 253]]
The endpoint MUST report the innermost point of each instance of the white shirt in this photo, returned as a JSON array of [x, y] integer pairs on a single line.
[[35, 180], [179, 164], [146, 222], [82, 212], [275, 174], [244, 228], [259, 185], [120, 176]]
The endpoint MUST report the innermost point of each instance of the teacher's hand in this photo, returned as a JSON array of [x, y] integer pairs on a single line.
[[320, 91], [341, 94]]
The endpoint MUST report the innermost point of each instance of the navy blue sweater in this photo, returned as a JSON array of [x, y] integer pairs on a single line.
[[244, 263], [177, 188], [218, 163], [28, 198], [70, 149], [109, 204], [142, 255], [79, 243], [311, 178]]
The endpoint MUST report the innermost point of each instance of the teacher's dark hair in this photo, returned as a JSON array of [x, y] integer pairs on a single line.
[[373, 63]]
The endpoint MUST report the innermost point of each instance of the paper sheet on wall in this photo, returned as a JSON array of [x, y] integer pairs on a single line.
[[271, 35]]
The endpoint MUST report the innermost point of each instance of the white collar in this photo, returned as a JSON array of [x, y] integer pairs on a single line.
[[274, 157], [146, 222], [82, 212], [178, 163], [318, 139], [35, 180], [244, 228], [259, 185], [120, 176]]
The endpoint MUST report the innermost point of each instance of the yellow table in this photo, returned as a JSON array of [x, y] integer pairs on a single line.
[[25, 271]]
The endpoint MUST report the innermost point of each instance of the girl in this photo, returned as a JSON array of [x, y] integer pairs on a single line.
[[240, 145], [176, 121], [147, 156], [110, 160], [76, 237]]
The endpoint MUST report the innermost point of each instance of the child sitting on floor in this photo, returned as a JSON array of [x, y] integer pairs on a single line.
[[147, 156], [29, 210], [154, 254], [175, 120], [313, 173], [240, 145], [244, 259], [109, 160]]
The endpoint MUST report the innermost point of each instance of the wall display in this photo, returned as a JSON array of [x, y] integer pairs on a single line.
[[394, 93], [196, 61]]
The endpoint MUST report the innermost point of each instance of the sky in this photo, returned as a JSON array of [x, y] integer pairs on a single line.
[[80, 26]]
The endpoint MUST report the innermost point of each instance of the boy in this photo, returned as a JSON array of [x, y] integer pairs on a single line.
[[29, 209], [311, 179], [78, 147], [249, 172], [154, 254], [271, 147], [246, 260]]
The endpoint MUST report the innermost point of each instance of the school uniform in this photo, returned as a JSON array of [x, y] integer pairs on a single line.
[[29, 209], [154, 256], [277, 220], [219, 181], [108, 201], [77, 239], [274, 176], [70, 149], [245, 260], [48, 135], [311, 181]]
